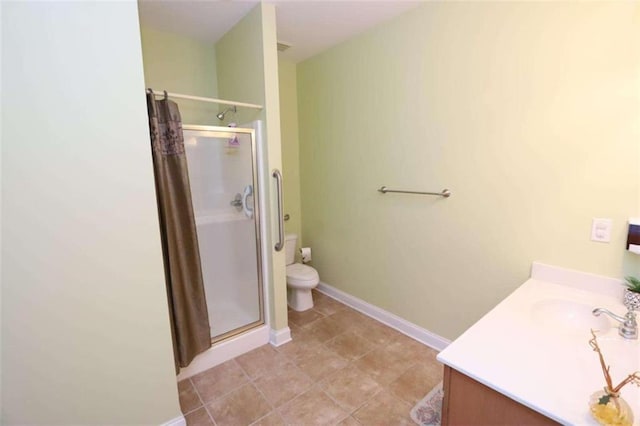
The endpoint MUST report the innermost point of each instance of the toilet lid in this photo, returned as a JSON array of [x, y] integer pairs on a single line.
[[299, 271]]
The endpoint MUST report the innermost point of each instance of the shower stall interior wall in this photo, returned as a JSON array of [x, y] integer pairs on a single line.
[[225, 191]]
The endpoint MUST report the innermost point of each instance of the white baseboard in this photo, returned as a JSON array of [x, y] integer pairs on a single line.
[[403, 326], [279, 337], [178, 421]]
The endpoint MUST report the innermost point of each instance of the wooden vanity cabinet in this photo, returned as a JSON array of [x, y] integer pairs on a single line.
[[468, 402]]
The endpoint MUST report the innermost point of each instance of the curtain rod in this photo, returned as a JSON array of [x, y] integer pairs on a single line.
[[200, 98]]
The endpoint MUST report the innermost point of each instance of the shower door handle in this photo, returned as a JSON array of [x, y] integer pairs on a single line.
[[280, 244], [248, 192]]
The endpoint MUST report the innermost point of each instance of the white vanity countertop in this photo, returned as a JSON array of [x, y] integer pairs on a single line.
[[534, 346]]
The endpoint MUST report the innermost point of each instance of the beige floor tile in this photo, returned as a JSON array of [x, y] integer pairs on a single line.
[[339, 362], [271, 419], [319, 295], [416, 382], [376, 333], [326, 305], [299, 346], [284, 385], [325, 329], [313, 407], [351, 388], [261, 360], [350, 319], [198, 418], [219, 380], [320, 362], [349, 421], [382, 366], [411, 351], [189, 399], [303, 318], [350, 346], [297, 331], [294, 328], [384, 409], [243, 406], [310, 334]]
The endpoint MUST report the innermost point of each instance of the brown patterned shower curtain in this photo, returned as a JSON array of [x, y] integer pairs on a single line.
[[183, 275]]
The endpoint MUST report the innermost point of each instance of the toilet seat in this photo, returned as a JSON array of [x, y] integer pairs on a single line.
[[299, 275]]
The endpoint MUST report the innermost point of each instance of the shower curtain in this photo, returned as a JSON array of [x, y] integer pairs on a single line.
[[183, 275]]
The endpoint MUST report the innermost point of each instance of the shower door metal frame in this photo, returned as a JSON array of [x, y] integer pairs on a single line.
[[256, 218]]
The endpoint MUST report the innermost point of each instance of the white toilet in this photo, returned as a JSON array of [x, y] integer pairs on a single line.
[[300, 278]]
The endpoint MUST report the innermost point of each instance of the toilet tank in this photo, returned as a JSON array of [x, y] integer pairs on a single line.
[[290, 248]]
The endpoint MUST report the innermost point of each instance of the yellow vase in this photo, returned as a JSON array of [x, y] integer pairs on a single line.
[[610, 410]]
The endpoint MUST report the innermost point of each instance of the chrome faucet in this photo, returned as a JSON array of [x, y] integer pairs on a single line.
[[628, 326]]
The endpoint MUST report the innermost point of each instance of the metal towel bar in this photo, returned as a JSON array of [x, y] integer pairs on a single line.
[[445, 192], [280, 244]]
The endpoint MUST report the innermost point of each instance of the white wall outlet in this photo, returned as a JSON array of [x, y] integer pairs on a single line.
[[601, 230]]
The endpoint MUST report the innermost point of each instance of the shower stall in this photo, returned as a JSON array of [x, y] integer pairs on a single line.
[[225, 192]]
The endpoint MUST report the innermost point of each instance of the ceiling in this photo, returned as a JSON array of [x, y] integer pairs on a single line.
[[309, 27]]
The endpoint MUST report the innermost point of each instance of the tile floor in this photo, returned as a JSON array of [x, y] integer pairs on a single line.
[[342, 368]]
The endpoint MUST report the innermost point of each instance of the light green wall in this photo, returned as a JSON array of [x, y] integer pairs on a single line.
[[85, 325], [182, 65], [241, 70], [290, 149], [528, 112], [248, 72]]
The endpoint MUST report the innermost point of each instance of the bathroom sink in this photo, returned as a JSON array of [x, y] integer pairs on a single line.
[[621, 354], [568, 317]]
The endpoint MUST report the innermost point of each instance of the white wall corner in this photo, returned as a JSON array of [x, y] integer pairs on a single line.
[[178, 421], [403, 326], [279, 337]]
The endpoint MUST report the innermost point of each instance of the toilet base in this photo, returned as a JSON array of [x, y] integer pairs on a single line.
[[299, 299]]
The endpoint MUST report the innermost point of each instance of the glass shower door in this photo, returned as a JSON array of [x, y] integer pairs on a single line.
[[222, 174]]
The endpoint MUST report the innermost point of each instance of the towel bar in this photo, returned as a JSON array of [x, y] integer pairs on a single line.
[[445, 192]]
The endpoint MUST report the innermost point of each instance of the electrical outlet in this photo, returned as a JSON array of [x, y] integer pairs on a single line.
[[601, 230]]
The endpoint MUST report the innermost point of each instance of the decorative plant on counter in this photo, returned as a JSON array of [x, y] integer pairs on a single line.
[[607, 406], [632, 293]]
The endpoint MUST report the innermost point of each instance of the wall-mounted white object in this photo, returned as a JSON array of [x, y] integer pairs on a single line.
[[633, 235], [601, 230]]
